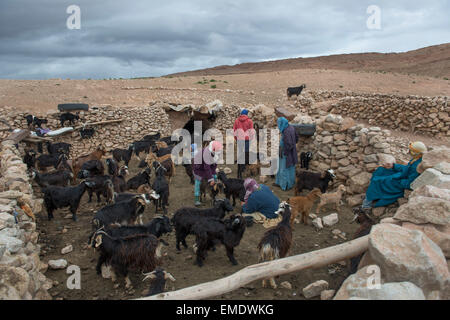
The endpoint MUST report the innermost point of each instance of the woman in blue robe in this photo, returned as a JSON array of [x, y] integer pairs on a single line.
[[285, 178], [389, 182]]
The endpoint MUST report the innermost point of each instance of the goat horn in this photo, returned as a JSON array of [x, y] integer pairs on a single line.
[[167, 275]]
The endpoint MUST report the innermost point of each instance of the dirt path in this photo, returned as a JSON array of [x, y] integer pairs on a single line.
[[181, 265]]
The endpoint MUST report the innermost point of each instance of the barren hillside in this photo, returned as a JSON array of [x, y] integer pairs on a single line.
[[431, 61]]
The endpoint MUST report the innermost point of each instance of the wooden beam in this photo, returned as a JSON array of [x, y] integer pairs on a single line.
[[18, 136], [314, 259]]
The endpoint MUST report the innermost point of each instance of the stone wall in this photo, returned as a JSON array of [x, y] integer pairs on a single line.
[[137, 122], [21, 271], [424, 115], [352, 151]]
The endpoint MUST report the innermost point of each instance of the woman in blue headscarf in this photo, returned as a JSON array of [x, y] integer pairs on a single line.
[[288, 155]]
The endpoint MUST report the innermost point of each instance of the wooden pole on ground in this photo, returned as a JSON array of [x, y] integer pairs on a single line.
[[314, 259]]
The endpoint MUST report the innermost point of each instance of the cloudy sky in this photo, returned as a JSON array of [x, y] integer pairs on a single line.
[[137, 38]]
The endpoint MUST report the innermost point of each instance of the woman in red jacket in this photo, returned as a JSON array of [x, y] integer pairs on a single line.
[[243, 131]]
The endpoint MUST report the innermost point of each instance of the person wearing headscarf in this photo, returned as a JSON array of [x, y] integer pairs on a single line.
[[244, 131], [259, 202], [389, 181], [285, 178], [205, 165]]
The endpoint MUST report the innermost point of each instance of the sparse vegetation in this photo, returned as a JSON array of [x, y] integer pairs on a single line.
[[213, 86]]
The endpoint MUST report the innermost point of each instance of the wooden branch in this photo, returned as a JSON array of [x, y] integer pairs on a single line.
[[18, 136], [314, 259], [33, 139], [96, 123]]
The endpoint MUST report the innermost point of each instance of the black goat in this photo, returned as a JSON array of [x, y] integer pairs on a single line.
[[366, 223], [232, 187], [208, 232], [276, 242], [168, 141], [157, 227], [152, 137], [87, 133], [189, 171], [161, 188], [142, 146], [32, 120], [59, 147], [310, 180], [29, 158], [45, 161], [90, 169], [58, 178], [123, 213], [137, 253], [305, 158], [138, 180], [184, 218], [163, 151], [113, 167], [295, 90], [101, 185], [68, 117], [212, 190], [159, 277], [60, 197], [122, 155], [120, 197]]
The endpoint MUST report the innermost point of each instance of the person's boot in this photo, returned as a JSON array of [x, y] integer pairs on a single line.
[[197, 201]]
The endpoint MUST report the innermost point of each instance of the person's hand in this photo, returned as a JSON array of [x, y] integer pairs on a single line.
[[242, 203]]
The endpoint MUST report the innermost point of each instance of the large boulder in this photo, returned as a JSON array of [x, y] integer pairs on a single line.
[[438, 234], [356, 282], [432, 177], [356, 287], [431, 192], [434, 157], [422, 210], [443, 167], [359, 182], [409, 255]]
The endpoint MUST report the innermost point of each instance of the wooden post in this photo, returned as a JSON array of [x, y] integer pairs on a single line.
[[314, 259]]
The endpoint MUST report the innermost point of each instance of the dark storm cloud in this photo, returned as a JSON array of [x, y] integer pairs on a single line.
[[151, 38]]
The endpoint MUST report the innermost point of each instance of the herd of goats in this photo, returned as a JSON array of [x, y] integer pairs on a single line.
[[125, 244]]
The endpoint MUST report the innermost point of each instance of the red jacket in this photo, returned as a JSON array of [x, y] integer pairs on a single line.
[[246, 124]]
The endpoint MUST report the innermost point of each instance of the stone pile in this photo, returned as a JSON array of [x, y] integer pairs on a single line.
[[21, 271]]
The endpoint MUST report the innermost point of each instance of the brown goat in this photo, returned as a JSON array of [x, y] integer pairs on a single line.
[[78, 162], [303, 205], [166, 161]]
